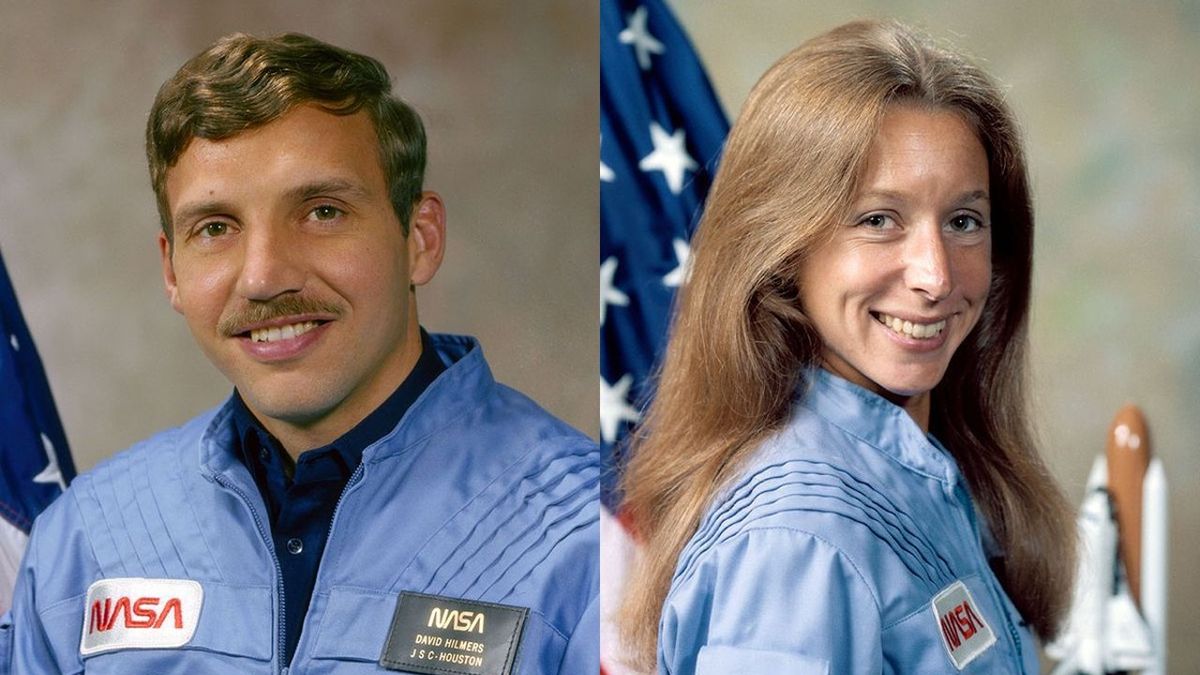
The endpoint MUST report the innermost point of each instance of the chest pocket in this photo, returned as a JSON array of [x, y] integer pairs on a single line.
[[352, 627], [234, 634]]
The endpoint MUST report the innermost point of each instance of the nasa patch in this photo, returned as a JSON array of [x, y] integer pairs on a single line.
[[139, 613], [964, 632]]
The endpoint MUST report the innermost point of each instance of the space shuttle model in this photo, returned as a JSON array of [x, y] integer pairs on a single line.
[[1118, 617]]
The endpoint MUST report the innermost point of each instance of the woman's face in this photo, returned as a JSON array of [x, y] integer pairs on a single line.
[[906, 275]]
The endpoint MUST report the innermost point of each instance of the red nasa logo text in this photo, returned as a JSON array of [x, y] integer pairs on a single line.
[[127, 612], [960, 624]]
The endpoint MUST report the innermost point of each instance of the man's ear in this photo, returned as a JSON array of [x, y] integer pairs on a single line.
[[426, 238], [168, 271]]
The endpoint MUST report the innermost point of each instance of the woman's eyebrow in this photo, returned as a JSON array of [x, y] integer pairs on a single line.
[[900, 197], [974, 196], [878, 193]]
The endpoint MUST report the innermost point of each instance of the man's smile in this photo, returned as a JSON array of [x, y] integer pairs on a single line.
[[282, 342], [275, 334]]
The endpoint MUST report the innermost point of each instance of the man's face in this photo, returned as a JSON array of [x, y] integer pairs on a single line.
[[292, 270]]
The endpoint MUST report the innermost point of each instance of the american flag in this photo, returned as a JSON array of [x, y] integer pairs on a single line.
[[35, 465], [661, 130]]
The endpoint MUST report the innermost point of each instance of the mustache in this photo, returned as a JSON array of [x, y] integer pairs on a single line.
[[235, 322]]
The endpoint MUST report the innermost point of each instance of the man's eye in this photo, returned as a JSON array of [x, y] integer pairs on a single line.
[[326, 212], [214, 228]]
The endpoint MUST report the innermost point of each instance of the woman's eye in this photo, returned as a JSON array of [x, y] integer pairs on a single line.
[[876, 221], [965, 223], [326, 212]]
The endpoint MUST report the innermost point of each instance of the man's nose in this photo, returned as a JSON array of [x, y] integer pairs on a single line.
[[927, 263], [271, 264]]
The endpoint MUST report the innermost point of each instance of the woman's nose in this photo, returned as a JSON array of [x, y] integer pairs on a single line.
[[927, 263]]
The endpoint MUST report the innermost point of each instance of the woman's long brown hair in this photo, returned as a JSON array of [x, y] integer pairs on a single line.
[[740, 340]]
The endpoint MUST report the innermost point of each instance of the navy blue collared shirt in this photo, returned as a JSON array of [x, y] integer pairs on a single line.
[[301, 496]]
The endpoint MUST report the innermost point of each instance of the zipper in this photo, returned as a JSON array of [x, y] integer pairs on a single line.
[[266, 537], [354, 478]]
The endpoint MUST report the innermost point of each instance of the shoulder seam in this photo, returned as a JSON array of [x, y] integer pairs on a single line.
[[796, 530], [840, 553]]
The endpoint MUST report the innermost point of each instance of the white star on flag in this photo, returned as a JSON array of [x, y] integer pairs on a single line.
[[669, 156], [683, 254], [643, 42], [615, 408], [610, 294], [606, 174], [51, 475]]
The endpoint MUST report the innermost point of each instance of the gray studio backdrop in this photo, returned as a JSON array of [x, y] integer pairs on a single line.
[[510, 98], [1108, 94]]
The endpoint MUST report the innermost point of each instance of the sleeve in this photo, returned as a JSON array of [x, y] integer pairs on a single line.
[[6, 644], [770, 600], [583, 648], [26, 648]]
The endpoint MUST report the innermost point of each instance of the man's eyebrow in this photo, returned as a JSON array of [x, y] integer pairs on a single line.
[[192, 210], [334, 187]]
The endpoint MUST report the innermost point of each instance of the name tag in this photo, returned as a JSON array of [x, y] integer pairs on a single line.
[[964, 632], [137, 613], [436, 635]]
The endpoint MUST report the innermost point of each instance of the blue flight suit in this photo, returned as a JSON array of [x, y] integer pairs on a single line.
[[477, 494], [848, 544]]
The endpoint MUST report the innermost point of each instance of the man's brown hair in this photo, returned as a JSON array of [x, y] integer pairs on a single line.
[[242, 82]]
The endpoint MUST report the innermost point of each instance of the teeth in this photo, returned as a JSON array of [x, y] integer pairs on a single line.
[[282, 333], [921, 331]]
